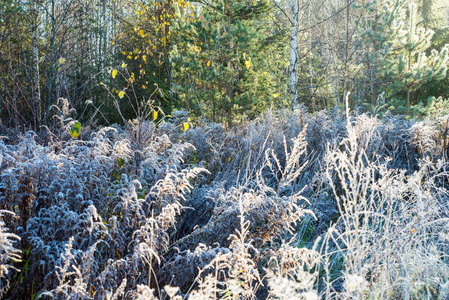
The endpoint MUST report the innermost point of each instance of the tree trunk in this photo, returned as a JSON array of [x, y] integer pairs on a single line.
[[374, 96], [35, 70], [333, 70], [292, 70], [312, 91], [407, 112], [229, 89], [51, 66], [408, 87], [347, 57]]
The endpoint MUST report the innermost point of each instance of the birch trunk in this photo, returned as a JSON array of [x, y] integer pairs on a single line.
[[293, 62], [333, 72]]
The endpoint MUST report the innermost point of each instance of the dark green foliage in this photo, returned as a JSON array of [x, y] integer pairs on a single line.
[[401, 62], [221, 61]]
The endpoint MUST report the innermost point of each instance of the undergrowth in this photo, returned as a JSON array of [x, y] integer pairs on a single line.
[[289, 206]]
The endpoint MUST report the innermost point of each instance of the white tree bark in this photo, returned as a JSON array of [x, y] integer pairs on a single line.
[[293, 61]]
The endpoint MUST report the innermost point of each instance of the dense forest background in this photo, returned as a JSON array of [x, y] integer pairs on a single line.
[[224, 149], [223, 61]]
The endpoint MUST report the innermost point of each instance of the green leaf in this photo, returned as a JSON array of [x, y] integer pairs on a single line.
[[121, 162], [75, 130]]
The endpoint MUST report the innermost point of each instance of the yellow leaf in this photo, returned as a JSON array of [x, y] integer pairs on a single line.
[[123, 65], [154, 115], [189, 119], [121, 94], [186, 126], [144, 57], [247, 64], [114, 73], [275, 95], [208, 63], [61, 60]]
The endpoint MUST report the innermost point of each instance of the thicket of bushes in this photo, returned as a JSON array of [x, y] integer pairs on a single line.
[[289, 206]]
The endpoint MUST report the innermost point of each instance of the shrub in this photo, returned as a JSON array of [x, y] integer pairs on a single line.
[[291, 205]]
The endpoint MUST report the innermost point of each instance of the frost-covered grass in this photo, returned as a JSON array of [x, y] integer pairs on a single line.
[[289, 206]]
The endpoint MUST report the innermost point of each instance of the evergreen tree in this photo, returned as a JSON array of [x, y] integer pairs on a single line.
[[376, 28], [406, 64], [222, 60], [434, 15], [398, 58]]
